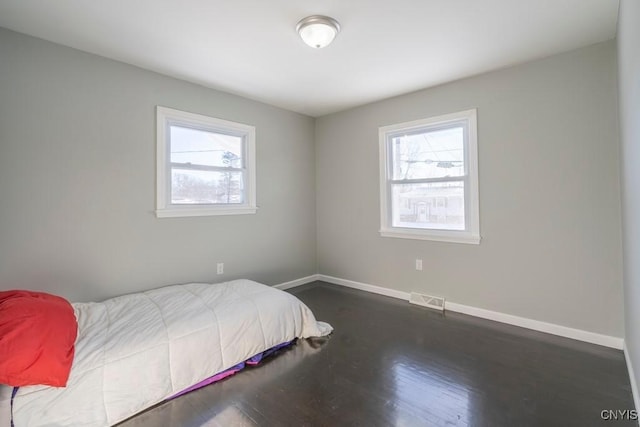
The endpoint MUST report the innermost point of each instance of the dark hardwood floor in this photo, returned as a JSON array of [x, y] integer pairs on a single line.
[[389, 363]]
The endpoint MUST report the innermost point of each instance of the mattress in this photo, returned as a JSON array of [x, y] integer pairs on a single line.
[[137, 350]]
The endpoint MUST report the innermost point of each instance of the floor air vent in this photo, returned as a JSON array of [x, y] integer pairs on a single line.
[[436, 303]]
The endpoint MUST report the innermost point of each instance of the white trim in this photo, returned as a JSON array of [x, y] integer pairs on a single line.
[[474, 180], [366, 287], [536, 325], [448, 236], [297, 282], [164, 208], [471, 193], [204, 211], [632, 379]]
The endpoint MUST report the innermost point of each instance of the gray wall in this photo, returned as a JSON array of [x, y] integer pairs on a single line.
[[629, 93], [549, 194], [77, 188], [77, 181]]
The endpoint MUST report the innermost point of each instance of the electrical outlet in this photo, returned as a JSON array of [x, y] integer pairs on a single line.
[[220, 267], [419, 264]]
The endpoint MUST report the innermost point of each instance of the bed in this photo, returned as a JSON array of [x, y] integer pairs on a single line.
[[135, 351]]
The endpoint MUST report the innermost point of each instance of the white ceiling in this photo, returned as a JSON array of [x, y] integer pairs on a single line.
[[250, 47]]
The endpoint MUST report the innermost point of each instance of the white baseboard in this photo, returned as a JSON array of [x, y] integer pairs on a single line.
[[536, 325], [365, 287], [632, 378], [297, 282]]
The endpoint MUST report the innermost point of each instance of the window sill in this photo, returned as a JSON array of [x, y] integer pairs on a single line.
[[435, 235], [186, 211]]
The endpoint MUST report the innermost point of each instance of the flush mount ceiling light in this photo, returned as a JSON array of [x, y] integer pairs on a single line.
[[318, 31]]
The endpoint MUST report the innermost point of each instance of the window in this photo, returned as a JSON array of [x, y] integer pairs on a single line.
[[206, 166], [429, 179]]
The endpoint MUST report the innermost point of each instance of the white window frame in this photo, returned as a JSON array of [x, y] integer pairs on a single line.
[[167, 117], [471, 233]]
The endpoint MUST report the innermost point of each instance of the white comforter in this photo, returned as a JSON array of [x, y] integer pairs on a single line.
[[136, 350]]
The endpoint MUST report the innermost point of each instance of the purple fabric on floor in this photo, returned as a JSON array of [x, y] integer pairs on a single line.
[[217, 377], [258, 357], [228, 372]]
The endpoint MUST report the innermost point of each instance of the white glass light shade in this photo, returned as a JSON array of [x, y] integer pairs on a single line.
[[318, 31]]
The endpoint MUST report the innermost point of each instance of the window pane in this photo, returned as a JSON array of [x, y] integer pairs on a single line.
[[428, 154], [198, 147], [430, 206], [211, 187]]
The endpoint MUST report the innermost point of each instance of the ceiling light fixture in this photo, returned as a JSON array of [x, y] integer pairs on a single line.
[[318, 31]]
